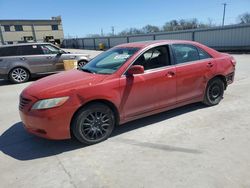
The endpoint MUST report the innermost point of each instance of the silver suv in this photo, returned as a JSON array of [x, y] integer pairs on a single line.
[[20, 62]]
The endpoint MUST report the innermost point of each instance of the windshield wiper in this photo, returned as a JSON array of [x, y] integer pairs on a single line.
[[87, 70]]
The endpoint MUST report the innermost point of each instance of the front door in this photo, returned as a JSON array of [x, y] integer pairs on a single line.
[[53, 55], [154, 89]]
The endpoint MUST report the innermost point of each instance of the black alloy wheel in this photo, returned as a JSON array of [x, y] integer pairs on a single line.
[[94, 123]]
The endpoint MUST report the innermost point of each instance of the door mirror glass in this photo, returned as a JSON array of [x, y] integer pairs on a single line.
[[135, 69], [61, 51]]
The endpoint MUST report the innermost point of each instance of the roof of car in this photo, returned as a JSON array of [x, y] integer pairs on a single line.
[[23, 44], [144, 44]]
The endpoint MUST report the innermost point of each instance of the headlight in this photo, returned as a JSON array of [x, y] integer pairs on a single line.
[[49, 103]]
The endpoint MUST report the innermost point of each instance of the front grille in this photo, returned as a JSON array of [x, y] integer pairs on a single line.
[[23, 102]]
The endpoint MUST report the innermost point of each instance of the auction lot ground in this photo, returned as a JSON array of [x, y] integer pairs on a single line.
[[192, 147]]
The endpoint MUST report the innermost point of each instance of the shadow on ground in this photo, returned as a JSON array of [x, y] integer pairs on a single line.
[[17, 143], [4, 82]]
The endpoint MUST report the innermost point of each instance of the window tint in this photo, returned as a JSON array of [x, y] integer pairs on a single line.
[[54, 27], [8, 51], [6, 28], [48, 49], [18, 28], [30, 50], [203, 54], [185, 53], [154, 58]]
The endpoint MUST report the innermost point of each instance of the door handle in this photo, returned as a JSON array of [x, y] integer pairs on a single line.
[[22, 58], [170, 74], [210, 64], [49, 57]]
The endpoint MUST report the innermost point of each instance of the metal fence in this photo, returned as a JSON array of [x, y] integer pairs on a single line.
[[231, 37]]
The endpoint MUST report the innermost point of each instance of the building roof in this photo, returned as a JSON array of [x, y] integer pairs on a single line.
[[54, 20], [23, 44]]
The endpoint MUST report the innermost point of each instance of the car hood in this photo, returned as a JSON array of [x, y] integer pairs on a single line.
[[58, 84]]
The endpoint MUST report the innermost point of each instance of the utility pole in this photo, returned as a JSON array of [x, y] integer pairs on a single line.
[[101, 32], [224, 13], [113, 30]]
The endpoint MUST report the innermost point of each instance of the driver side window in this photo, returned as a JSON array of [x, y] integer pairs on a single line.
[[154, 58], [48, 49]]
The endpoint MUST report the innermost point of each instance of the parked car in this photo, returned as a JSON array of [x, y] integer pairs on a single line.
[[20, 62], [125, 83]]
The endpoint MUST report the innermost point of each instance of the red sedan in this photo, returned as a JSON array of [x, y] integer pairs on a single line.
[[125, 83]]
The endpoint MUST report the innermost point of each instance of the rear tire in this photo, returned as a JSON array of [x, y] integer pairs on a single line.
[[19, 75], [93, 123], [214, 92]]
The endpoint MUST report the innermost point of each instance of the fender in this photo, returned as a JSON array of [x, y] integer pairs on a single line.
[[18, 64]]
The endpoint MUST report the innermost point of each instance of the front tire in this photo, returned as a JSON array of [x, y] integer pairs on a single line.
[[19, 75], [93, 123], [214, 92]]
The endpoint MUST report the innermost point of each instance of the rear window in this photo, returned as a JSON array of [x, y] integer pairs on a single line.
[[21, 50], [8, 51], [30, 50]]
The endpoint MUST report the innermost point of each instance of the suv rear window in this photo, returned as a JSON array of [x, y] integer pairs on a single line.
[[9, 51], [30, 50], [21, 50]]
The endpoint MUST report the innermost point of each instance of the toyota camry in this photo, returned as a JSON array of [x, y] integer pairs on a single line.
[[127, 82]]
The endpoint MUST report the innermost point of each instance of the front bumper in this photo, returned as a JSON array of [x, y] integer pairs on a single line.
[[52, 123]]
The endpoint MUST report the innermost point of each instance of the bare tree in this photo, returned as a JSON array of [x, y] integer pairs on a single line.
[[150, 29], [171, 25], [131, 31], [244, 18]]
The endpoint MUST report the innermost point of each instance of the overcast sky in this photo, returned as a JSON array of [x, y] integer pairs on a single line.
[[82, 17]]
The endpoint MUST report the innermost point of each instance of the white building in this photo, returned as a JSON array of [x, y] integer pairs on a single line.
[[19, 31]]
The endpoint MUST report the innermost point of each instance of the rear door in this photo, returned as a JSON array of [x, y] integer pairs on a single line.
[[34, 57], [193, 67]]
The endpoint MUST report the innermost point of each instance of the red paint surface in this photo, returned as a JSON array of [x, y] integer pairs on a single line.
[[133, 96]]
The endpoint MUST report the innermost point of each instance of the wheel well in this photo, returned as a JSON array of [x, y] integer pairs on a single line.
[[102, 101], [19, 67], [82, 60], [223, 78]]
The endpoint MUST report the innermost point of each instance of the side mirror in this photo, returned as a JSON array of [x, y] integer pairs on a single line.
[[135, 69], [61, 52]]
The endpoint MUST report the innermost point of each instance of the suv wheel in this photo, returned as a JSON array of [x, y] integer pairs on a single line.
[[93, 123], [19, 75], [82, 63]]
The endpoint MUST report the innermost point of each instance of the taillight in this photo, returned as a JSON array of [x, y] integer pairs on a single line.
[[233, 61]]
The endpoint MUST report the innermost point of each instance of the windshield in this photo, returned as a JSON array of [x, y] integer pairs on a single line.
[[110, 61]]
